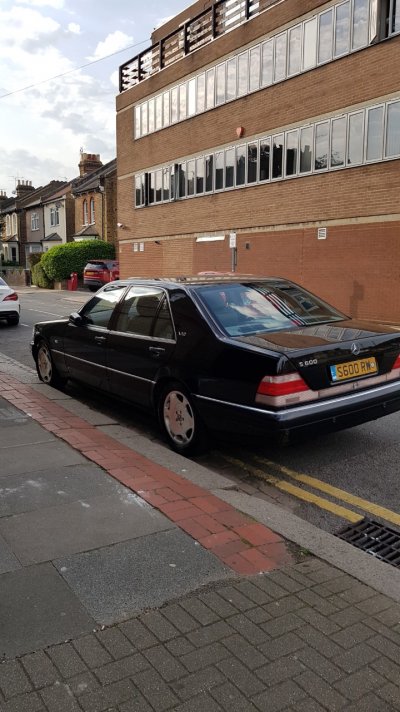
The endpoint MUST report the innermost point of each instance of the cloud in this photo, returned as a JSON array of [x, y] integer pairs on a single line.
[[57, 4], [113, 43], [74, 28]]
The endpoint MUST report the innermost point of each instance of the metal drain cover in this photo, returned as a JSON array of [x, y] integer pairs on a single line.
[[374, 538]]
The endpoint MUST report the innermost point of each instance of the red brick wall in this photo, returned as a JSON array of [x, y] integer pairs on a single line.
[[356, 268]]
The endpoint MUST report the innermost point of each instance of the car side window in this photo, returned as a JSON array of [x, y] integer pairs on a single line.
[[98, 311], [145, 313]]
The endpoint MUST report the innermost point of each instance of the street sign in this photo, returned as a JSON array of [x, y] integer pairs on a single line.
[[232, 239]]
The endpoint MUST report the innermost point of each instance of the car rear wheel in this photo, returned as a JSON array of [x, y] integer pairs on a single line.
[[45, 367], [179, 420], [13, 320]]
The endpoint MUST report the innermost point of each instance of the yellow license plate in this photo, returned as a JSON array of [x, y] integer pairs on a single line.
[[354, 369]]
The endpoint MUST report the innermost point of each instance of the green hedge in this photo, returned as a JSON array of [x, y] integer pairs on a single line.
[[39, 277], [61, 260]]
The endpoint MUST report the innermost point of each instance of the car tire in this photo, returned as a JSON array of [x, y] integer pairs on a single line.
[[45, 367], [180, 421], [13, 320]]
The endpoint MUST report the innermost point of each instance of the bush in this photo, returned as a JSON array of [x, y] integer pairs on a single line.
[[34, 258], [61, 260], [40, 278]]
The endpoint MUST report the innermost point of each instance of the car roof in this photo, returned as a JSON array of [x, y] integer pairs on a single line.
[[202, 279]]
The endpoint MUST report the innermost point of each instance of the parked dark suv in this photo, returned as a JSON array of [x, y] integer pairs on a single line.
[[97, 273]]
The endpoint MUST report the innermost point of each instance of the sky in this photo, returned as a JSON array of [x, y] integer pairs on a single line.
[[46, 121]]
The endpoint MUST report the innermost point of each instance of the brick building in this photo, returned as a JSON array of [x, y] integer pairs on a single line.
[[95, 193], [282, 128]]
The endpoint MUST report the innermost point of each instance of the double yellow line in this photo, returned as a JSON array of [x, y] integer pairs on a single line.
[[305, 495]]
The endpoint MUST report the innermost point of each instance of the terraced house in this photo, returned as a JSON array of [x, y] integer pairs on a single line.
[[254, 138]]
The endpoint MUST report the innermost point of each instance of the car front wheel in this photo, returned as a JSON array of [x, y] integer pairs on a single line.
[[45, 367], [180, 422]]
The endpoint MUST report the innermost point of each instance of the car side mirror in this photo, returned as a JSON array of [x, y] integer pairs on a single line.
[[76, 319]]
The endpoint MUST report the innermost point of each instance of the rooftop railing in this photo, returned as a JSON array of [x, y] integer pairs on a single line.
[[220, 18]]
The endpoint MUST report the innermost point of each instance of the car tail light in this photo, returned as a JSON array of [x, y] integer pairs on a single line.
[[13, 297], [396, 364], [282, 390]]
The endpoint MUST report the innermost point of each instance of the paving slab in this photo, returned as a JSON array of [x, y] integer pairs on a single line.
[[38, 609], [116, 582], [8, 562], [89, 523], [54, 486]]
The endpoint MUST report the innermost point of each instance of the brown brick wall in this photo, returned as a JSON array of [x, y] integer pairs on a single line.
[[356, 268]]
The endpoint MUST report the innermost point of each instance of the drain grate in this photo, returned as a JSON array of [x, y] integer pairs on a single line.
[[374, 538]]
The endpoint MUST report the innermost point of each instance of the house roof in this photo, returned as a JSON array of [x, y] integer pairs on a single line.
[[54, 237], [93, 180], [89, 231], [42, 193]]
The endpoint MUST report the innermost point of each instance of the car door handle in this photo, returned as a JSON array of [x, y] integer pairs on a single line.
[[156, 350], [100, 339]]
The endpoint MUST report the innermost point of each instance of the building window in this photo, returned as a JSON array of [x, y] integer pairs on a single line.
[[14, 224], [219, 170], [310, 44], [174, 105], [321, 146], [191, 167], [220, 82], [252, 162], [231, 79], [267, 63], [393, 130], [291, 152], [229, 167], [34, 221], [241, 164], [360, 23], [182, 102], [277, 156], [243, 74], [92, 217], [265, 150], [158, 186], [209, 173], [306, 142], [192, 97], [55, 216], [166, 184], [342, 29], [182, 180], [294, 50], [150, 117], [338, 142], [210, 88], [254, 70], [325, 37], [199, 176], [201, 93], [374, 133], [8, 225], [355, 139], [165, 108], [85, 213], [280, 57]]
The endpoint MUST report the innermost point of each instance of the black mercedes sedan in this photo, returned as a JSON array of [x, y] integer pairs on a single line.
[[247, 355]]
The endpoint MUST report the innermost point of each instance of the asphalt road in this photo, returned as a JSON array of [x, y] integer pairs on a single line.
[[330, 481]]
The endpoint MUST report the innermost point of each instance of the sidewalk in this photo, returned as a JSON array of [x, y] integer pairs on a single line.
[[132, 579]]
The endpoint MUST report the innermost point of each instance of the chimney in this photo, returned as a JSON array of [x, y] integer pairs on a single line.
[[23, 188], [3, 197], [89, 162]]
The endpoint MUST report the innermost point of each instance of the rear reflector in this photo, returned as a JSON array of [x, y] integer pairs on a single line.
[[11, 297]]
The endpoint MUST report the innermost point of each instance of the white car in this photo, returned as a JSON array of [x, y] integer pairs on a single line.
[[9, 304]]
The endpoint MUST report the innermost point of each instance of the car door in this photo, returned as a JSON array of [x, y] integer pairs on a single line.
[[85, 338], [140, 343]]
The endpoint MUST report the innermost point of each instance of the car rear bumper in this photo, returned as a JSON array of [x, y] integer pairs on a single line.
[[6, 313], [330, 414]]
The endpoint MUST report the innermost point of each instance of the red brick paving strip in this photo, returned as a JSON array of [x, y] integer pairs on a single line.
[[244, 545]]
